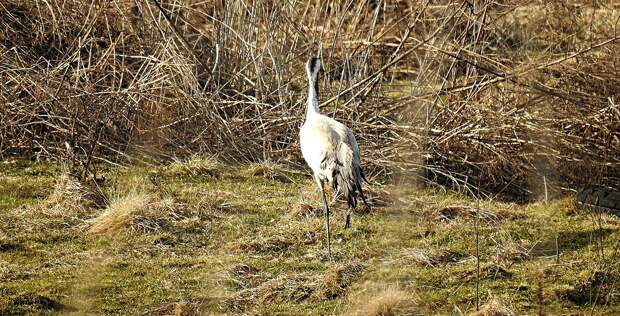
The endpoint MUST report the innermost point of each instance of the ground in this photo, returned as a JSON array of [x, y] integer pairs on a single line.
[[199, 237]]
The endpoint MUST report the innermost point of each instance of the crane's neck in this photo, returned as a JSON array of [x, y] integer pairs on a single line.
[[313, 95]]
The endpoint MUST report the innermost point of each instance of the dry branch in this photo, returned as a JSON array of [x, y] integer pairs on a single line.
[[469, 93]]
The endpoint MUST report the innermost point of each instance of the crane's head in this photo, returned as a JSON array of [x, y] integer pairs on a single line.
[[313, 66]]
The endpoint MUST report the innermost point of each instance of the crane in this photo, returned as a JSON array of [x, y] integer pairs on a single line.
[[331, 151]]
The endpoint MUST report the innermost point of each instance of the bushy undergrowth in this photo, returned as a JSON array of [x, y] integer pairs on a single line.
[[484, 94]]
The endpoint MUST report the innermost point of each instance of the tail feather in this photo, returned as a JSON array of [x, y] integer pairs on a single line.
[[349, 179], [345, 174], [362, 192], [364, 178]]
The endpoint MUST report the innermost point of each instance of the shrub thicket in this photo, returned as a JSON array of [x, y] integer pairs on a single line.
[[493, 94]]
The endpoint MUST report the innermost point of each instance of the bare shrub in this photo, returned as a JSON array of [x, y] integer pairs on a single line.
[[464, 94]]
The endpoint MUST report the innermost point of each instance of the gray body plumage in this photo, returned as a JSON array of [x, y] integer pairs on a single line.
[[330, 149], [334, 157]]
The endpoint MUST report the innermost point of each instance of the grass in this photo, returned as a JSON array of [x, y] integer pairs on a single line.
[[197, 237]]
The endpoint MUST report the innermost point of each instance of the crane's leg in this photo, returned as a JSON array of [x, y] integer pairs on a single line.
[[363, 196], [347, 222], [326, 210]]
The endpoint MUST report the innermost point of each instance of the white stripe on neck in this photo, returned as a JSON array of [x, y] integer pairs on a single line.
[[313, 98]]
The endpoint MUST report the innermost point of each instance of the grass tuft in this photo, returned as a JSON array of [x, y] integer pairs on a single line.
[[193, 166], [288, 288], [494, 308], [71, 196], [304, 210], [136, 211], [244, 276], [269, 245], [385, 301], [268, 171], [338, 278]]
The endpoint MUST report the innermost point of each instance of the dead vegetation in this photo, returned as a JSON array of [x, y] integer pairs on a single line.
[[269, 245], [304, 210], [385, 301], [494, 308], [70, 197], [294, 288], [592, 287], [430, 258], [136, 211], [463, 212], [465, 94], [257, 288], [338, 278], [150, 207], [268, 171], [137, 204], [506, 100], [192, 166], [309, 202]]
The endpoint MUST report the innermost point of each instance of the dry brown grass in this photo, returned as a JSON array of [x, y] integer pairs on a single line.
[[464, 212], [384, 301], [277, 245], [136, 211], [193, 166], [309, 202], [215, 200], [268, 171], [245, 276], [428, 258], [286, 288], [70, 198], [256, 288], [68, 194], [469, 96], [183, 308], [494, 308], [304, 210], [338, 278], [378, 196]]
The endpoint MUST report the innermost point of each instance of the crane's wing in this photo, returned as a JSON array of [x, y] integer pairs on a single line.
[[331, 151], [318, 144]]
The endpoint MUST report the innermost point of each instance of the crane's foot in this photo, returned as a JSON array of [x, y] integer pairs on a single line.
[[347, 222]]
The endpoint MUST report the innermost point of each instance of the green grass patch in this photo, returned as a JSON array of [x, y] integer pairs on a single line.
[[207, 238]]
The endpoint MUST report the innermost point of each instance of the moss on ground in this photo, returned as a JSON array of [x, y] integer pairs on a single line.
[[232, 240]]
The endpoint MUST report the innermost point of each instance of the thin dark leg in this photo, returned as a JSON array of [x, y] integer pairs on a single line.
[[363, 196], [326, 209], [347, 222]]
